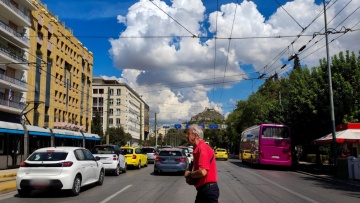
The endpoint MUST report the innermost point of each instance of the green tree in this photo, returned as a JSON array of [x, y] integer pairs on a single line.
[[117, 136], [96, 126]]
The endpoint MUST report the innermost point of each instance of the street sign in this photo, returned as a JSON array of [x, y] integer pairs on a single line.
[[166, 126], [202, 125], [213, 126], [177, 126]]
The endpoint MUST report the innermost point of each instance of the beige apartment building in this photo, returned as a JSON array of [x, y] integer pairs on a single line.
[[120, 106], [15, 22], [59, 77]]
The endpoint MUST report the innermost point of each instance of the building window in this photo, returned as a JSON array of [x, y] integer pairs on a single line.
[[111, 102], [95, 91], [118, 121], [111, 121], [118, 112], [101, 91], [111, 92], [118, 102], [111, 112], [118, 92]]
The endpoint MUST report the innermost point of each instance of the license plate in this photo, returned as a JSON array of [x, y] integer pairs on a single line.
[[40, 183], [275, 157]]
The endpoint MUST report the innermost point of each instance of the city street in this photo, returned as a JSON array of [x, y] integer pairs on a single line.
[[237, 183]]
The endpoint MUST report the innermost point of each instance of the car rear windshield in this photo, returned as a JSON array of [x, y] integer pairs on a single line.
[[103, 150], [170, 153], [221, 150], [148, 150], [126, 151], [48, 156]]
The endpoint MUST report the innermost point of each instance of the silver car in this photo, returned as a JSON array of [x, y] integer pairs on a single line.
[[171, 160], [151, 153]]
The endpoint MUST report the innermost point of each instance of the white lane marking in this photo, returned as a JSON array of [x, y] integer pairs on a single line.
[[112, 196], [284, 188]]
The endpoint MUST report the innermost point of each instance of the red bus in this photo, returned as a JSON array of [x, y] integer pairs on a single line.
[[266, 144]]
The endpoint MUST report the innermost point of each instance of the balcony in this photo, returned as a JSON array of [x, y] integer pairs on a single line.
[[49, 46], [11, 106], [13, 57], [19, 85], [19, 38], [40, 39], [18, 16]]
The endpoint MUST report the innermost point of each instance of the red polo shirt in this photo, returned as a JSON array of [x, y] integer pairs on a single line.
[[202, 156]]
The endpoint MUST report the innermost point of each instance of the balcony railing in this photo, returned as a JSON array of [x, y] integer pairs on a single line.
[[18, 11], [16, 105], [15, 33], [14, 55], [13, 80]]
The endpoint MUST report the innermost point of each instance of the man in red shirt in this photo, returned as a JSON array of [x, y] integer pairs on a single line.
[[204, 167]]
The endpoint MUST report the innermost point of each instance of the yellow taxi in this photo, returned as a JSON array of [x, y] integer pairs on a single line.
[[134, 156], [245, 155], [221, 154]]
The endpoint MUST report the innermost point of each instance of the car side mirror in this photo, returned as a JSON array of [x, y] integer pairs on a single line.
[[97, 158]]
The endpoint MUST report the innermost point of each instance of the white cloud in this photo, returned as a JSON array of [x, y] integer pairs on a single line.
[[179, 72]]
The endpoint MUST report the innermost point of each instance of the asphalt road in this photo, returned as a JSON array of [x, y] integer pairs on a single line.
[[237, 182]]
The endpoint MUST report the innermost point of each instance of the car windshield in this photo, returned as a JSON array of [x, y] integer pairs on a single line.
[[126, 151], [103, 150], [48, 156], [170, 153], [221, 150], [148, 150]]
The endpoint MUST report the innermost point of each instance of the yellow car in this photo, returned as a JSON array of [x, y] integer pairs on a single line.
[[134, 156], [245, 155], [221, 154]]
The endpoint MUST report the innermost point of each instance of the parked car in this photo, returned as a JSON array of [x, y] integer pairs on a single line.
[[110, 155], [134, 156], [221, 154], [171, 160], [64, 168], [151, 153]]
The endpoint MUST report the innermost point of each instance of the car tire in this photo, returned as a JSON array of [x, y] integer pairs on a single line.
[[117, 171], [139, 165], [76, 186], [24, 192], [125, 168], [101, 177], [156, 172], [146, 164]]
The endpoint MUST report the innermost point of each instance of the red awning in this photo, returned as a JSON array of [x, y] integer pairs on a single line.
[[344, 136]]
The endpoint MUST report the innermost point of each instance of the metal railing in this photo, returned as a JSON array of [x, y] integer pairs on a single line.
[[8, 52], [16, 105], [18, 11], [14, 32], [13, 80]]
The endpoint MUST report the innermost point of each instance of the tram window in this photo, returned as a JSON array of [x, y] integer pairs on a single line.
[[2, 144]]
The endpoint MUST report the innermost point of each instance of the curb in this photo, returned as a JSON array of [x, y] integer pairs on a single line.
[[328, 178], [8, 185]]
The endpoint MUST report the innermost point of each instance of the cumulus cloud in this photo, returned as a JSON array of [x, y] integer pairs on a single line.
[[175, 71]]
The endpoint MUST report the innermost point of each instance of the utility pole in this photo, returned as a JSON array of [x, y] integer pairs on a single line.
[[155, 132], [107, 116], [141, 131], [330, 90]]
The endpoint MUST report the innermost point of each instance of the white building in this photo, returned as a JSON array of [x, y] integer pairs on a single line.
[[119, 105], [15, 20]]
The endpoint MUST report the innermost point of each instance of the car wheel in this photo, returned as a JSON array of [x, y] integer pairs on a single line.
[[139, 165], [125, 168], [146, 164], [76, 186], [24, 192], [101, 177], [117, 171]]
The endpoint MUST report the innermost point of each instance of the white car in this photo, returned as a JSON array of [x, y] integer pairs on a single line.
[[64, 168], [111, 157]]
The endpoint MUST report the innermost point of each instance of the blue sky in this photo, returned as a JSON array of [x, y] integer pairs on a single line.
[[149, 43]]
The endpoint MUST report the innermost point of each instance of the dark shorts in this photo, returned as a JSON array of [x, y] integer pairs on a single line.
[[208, 193]]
